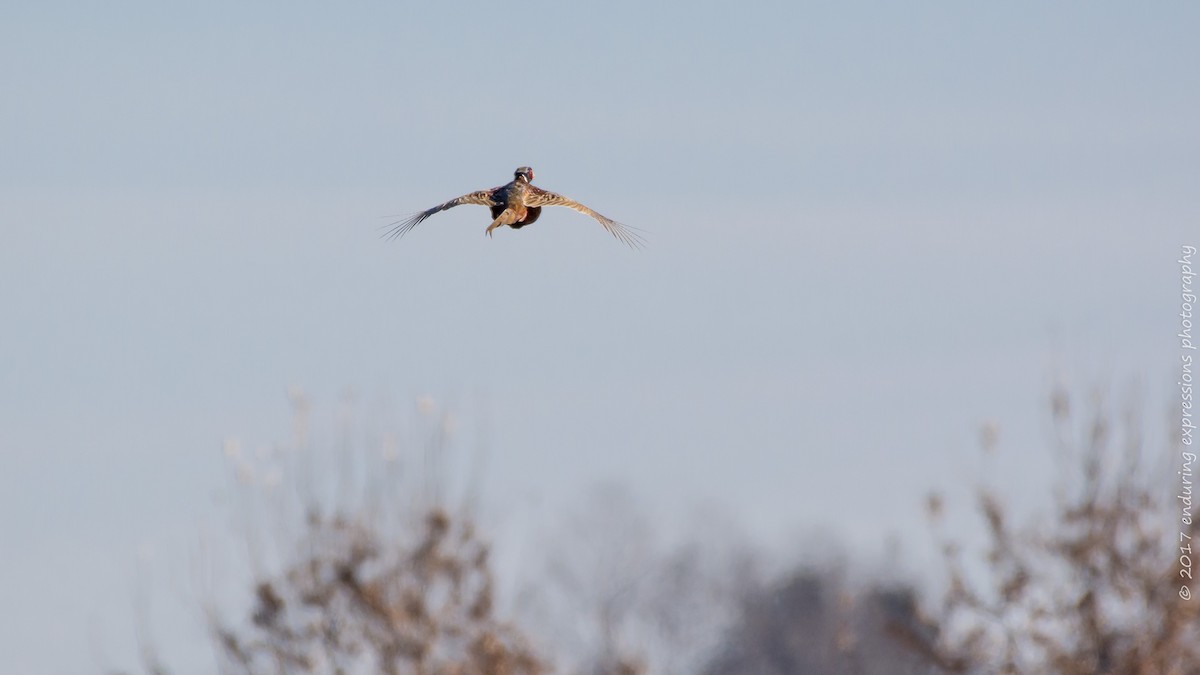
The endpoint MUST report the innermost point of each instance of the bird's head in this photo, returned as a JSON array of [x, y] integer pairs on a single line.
[[524, 172]]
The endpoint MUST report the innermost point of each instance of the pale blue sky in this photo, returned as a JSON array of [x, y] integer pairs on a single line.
[[871, 228]]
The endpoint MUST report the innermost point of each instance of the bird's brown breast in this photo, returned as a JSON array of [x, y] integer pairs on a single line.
[[531, 214]]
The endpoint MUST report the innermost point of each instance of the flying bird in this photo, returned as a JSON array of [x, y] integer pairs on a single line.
[[516, 205]]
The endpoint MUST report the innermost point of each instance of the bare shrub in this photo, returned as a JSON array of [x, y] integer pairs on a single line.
[[395, 582], [1090, 588], [356, 603]]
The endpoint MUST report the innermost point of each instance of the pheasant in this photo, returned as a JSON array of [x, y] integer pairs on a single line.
[[516, 205]]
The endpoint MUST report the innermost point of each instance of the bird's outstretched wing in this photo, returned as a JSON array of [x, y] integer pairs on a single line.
[[539, 197], [401, 227]]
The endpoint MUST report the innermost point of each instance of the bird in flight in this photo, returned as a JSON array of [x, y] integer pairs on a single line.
[[516, 205]]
